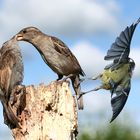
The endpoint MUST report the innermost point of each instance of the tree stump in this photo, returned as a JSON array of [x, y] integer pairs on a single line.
[[46, 113]]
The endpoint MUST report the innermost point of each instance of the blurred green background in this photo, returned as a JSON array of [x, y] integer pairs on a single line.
[[117, 130], [114, 132]]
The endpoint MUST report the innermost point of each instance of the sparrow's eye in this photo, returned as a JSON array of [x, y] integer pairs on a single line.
[[24, 31]]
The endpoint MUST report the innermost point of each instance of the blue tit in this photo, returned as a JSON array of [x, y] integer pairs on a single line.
[[116, 76]]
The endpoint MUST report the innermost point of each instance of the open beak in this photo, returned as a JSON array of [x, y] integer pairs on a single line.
[[19, 37]]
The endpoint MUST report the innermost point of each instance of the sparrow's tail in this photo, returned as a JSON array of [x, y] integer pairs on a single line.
[[76, 85], [10, 118]]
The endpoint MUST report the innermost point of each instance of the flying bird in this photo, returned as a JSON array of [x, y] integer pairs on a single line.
[[11, 75], [56, 55], [116, 76]]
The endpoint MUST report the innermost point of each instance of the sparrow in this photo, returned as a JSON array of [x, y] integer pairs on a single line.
[[11, 75], [56, 55]]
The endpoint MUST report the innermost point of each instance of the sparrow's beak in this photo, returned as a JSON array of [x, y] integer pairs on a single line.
[[19, 37]]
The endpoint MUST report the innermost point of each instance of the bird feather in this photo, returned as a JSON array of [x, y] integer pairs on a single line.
[[120, 49]]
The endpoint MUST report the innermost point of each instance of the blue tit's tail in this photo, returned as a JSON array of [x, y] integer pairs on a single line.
[[10, 118], [118, 102]]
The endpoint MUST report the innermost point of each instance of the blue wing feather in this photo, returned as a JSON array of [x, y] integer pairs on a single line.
[[120, 49], [119, 101]]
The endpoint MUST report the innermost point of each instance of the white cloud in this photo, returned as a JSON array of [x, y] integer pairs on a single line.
[[69, 17], [98, 102], [90, 57]]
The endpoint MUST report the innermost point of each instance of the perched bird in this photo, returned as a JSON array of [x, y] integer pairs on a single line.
[[56, 55], [116, 77], [11, 75]]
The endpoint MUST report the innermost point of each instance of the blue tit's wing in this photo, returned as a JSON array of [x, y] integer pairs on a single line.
[[120, 49], [119, 100]]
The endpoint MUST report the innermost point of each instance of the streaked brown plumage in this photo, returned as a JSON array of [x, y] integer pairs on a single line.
[[11, 75], [56, 55]]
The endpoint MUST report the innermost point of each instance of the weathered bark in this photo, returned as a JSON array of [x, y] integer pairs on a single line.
[[46, 113]]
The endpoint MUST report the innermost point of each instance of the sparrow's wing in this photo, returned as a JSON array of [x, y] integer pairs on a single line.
[[62, 48], [120, 49], [119, 100], [7, 62], [5, 77]]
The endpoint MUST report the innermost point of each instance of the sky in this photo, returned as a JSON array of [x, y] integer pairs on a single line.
[[88, 27]]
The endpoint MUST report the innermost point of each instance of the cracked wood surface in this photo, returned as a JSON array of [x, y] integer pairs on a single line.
[[46, 113]]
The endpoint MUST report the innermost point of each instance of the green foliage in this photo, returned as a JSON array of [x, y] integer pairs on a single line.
[[85, 136], [115, 131]]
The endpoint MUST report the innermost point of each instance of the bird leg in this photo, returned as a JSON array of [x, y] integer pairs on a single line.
[[95, 89], [97, 77], [59, 77], [69, 76], [92, 78], [64, 80]]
